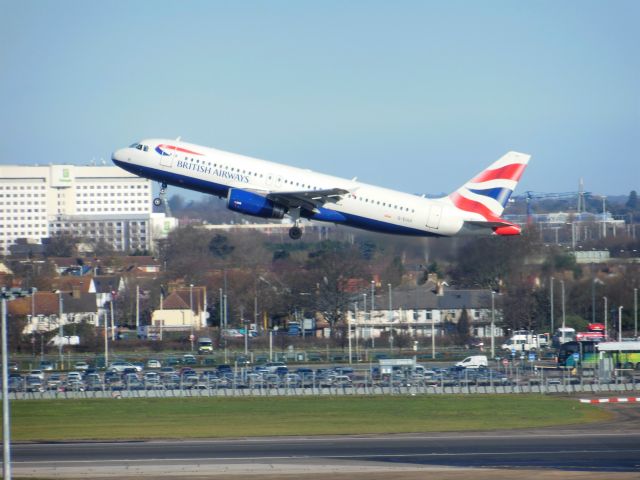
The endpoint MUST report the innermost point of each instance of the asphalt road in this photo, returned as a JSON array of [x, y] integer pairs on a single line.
[[563, 450]]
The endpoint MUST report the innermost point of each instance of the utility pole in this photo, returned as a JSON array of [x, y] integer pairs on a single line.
[[60, 330], [106, 342], [551, 301], [635, 313], [7, 295], [493, 322], [620, 323], [137, 308], [563, 311], [113, 328], [6, 430], [390, 317], [605, 317]]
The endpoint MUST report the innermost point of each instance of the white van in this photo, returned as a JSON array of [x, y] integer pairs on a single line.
[[476, 361]]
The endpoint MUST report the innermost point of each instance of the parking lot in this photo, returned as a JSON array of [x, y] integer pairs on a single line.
[[190, 377]]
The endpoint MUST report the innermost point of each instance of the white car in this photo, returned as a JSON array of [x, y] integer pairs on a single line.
[[81, 366], [120, 366], [37, 373], [154, 364]]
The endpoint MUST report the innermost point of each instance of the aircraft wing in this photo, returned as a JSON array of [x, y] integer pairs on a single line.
[[307, 199]]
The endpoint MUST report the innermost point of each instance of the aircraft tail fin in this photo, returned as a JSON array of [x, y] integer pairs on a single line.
[[484, 197]]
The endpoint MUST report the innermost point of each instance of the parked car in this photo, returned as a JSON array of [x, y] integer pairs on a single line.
[[81, 366], [37, 373], [120, 367], [189, 359], [152, 363], [46, 365]]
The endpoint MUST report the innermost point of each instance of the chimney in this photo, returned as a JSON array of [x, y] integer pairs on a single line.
[[76, 292], [440, 289]]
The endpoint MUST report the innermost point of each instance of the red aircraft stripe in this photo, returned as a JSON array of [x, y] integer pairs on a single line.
[[179, 149], [472, 206], [508, 172]]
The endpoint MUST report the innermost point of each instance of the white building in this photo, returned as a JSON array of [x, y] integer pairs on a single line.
[[37, 202], [420, 311]]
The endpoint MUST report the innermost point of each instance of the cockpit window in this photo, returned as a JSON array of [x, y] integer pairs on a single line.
[[145, 148], [134, 145]]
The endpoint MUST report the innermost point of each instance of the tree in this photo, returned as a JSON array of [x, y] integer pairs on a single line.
[[632, 201], [462, 328], [102, 248], [64, 245], [219, 247], [330, 267]]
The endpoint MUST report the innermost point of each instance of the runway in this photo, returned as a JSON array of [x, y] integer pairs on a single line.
[[563, 450]]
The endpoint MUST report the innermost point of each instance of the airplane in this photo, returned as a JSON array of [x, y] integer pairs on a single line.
[[272, 190]]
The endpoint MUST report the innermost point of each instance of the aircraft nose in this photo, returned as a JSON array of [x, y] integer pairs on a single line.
[[118, 156]]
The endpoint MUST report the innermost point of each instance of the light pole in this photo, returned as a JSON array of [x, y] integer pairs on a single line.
[[606, 335], [364, 315], [620, 323], [551, 301], [191, 301], [137, 309], [373, 307], [106, 341], [349, 337], [563, 311], [6, 431], [113, 328], [60, 332], [390, 317], [635, 313], [493, 322], [6, 428]]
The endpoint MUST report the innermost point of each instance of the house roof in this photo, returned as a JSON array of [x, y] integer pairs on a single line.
[[85, 303], [425, 298], [68, 283], [106, 283], [48, 303], [41, 303], [174, 302], [181, 299]]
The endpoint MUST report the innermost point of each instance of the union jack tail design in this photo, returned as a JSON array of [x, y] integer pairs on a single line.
[[485, 195]]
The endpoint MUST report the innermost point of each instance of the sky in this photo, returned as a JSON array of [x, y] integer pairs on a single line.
[[416, 96]]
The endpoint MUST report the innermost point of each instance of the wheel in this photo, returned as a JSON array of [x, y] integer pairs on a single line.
[[157, 202], [295, 233]]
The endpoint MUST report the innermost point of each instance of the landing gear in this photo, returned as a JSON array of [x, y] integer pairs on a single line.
[[161, 199], [295, 233]]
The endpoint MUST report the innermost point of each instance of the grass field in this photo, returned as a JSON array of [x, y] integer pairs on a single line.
[[129, 419]]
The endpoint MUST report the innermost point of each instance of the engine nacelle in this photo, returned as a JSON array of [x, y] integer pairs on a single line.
[[250, 203]]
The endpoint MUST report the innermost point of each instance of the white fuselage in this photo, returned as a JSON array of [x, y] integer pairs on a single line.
[[366, 206]]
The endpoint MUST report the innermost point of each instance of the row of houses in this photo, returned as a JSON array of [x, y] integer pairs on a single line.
[[93, 299]]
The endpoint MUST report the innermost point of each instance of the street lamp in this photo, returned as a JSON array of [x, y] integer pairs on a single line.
[[605, 317], [6, 430], [60, 332], [635, 313], [191, 301], [551, 302], [563, 311], [390, 317], [493, 322], [620, 323]]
